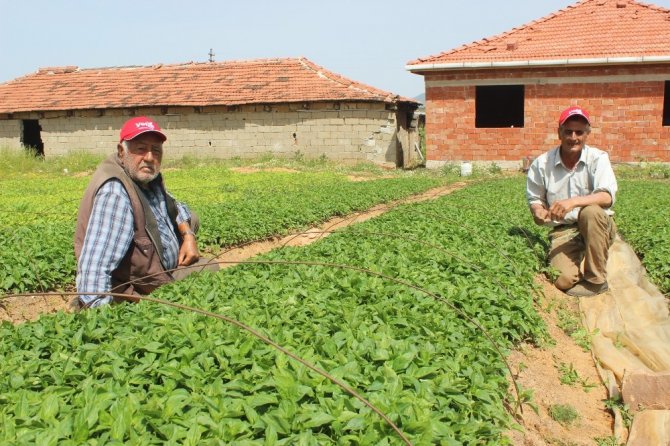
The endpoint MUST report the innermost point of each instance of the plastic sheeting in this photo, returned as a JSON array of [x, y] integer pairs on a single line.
[[630, 327]]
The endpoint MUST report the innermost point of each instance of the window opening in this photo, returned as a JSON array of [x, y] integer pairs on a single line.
[[499, 106]]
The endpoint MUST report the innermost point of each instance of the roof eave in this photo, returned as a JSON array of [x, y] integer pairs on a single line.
[[419, 68], [388, 101]]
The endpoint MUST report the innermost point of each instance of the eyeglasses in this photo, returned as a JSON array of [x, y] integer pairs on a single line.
[[569, 132]]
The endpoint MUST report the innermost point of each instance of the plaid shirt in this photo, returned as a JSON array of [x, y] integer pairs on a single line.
[[109, 235]]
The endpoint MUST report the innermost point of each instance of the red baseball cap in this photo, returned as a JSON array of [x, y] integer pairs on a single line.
[[138, 125], [573, 111]]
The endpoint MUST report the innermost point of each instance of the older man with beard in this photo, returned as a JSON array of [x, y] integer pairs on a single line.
[[131, 233]]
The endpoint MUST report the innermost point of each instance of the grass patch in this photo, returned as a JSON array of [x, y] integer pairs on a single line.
[[624, 410], [643, 170], [564, 414], [569, 376], [15, 163], [607, 441], [572, 326]]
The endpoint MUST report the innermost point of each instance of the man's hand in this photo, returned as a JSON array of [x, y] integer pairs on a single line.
[[188, 251], [560, 208], [540, 214]]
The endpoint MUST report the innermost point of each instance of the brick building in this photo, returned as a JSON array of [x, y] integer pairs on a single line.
[[498, 99], [229, 109]]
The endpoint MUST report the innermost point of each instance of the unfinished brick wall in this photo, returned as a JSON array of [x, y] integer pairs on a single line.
[[340, 131], [626, 104]]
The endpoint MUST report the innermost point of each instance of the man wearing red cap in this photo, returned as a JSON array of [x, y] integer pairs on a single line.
[[131, 233], [572, 188]]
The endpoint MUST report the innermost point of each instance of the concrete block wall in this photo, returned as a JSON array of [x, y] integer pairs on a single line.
[[10, 134], [626, 105], [339, 131]]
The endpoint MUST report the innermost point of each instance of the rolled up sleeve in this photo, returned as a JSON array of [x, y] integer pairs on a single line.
[[603, 176], [536, 192]]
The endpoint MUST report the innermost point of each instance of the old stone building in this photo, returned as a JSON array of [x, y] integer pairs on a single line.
[[230, 109], [498, 99]]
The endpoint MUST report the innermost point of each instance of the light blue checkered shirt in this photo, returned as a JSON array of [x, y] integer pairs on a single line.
[[109, 235]]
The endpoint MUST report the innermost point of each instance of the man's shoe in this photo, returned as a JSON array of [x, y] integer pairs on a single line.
[[587, 289]]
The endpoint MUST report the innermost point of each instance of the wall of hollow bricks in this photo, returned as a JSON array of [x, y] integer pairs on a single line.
[[348, 132], [625, 103]]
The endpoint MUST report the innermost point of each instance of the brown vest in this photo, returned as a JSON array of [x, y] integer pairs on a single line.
[[141, 270]]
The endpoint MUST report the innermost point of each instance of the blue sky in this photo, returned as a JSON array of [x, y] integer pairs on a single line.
[[368, 41]]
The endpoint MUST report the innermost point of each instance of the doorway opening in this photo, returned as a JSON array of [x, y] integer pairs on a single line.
[[31, 137]]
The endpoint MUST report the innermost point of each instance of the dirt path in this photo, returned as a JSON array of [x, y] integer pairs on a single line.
[[541, 370]]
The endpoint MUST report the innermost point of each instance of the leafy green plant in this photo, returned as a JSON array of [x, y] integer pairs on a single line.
[[572, 326], [564, 414], [37, 218], [624, 410], [451, 169], [23, 162], [151, 374], [569, 376], [608, 441], [644, 227], [494, 169]]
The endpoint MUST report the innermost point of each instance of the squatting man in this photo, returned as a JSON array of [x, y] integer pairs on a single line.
[[572, 188], [131, 233]]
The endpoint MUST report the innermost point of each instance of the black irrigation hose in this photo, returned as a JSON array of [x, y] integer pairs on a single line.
[[253, 332]]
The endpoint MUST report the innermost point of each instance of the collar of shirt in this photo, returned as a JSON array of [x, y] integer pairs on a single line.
[[558, 160]]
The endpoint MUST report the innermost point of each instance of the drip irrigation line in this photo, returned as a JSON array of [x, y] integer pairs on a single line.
[[468, 229], [253, 332], [434, 296], [387, 277], [409, 285], [478, 268], [479, 236]]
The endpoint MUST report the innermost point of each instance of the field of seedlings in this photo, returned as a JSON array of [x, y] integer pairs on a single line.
[[37, 215], [392, 331], [642, 217]]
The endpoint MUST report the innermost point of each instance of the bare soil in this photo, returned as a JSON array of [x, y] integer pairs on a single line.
[[538, 368]]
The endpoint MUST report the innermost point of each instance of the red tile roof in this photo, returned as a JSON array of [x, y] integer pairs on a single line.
[[263, 81], [590, 31]]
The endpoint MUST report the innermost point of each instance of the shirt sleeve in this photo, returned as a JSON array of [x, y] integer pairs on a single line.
[[183, 212], [603, 176], [536, 192], [108, 236]]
